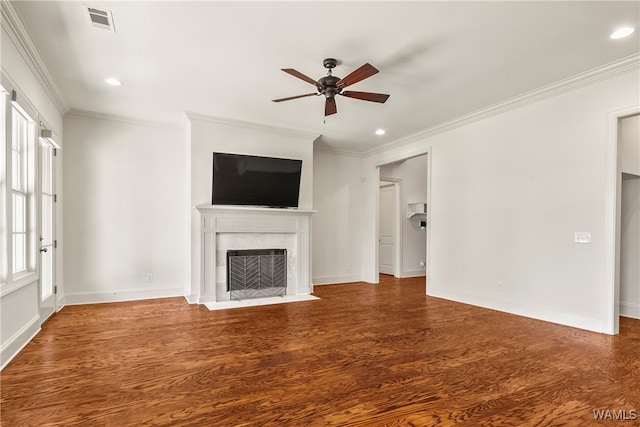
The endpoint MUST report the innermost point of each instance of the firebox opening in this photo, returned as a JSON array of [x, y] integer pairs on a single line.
[[256, 273]]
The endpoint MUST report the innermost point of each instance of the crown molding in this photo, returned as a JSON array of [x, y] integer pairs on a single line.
[[613, 69], [323, 148], [296, 133], [124, 119], [12, 24]]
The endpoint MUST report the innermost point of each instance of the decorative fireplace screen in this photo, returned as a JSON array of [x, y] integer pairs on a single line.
[[256, 273]]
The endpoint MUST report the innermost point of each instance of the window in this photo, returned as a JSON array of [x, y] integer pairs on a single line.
[[18, 172], [22, 154], [4, 268]]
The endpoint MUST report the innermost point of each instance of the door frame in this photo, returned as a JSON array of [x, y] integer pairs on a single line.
[[611, 288], [397, 225], [41, 143]]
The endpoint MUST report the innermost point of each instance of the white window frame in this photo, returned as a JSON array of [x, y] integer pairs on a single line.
[[22, 132], [4, 178], [17, 122]]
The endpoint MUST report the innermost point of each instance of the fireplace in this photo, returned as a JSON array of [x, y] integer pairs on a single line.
[[224, 228], [256, 273]]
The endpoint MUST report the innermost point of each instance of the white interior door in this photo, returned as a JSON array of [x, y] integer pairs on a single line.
[[47, 238], [388, 220]]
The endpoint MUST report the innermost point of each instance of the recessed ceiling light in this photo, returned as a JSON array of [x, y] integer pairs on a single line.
[[113, 81], [380, 132], [623, 32]]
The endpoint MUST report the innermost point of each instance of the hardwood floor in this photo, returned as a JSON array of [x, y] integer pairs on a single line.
[[362, 355]]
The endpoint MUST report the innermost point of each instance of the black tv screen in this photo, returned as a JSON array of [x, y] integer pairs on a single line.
[[255, 181]]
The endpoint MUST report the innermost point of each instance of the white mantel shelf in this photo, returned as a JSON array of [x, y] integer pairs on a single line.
[[218, 228], [226, 208]]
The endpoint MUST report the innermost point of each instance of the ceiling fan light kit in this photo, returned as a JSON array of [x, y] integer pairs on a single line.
[[330, 85]]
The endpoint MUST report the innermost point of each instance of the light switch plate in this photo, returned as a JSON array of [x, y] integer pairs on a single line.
[[582, 237]]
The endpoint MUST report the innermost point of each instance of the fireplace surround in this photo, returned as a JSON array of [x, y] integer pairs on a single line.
[[222, 228]]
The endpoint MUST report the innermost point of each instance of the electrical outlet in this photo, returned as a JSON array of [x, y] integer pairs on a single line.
[[499, 287], [149, 277], [422, 264], [582, 237]]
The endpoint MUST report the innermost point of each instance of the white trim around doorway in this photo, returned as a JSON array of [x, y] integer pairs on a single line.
[[611, 288]]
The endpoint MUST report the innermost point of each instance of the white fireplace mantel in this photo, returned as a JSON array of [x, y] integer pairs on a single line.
[[220, 228]]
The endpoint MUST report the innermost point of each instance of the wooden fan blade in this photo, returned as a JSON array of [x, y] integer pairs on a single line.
[[330, 107], [294, 97], [366, 96], [299, 75], [367, 70]]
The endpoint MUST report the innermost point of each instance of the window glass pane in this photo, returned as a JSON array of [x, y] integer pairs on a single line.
[[3, 121], [15, 131], [49, 169], [46, 279], [47, 220], [19, 253], [16, 170], [19, 213], [47, 159], [43, 166]]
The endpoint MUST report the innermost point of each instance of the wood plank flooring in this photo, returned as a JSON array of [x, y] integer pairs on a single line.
[[363, 355]]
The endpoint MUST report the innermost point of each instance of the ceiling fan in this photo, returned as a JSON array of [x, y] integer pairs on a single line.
[[330, 85]]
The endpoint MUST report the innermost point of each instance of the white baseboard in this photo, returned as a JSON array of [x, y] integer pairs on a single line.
[[76, 298], [16, 343], [192, 299], [60, 302], [330, 280], [412, 273], [630, 309], [547, 314]]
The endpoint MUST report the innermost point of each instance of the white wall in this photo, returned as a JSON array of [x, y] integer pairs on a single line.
[[338, 197], [412, 174], [124, 216], [210, 134], [20, 318], [507, 194]]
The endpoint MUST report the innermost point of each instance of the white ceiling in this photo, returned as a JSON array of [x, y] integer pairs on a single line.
[[438, 60]]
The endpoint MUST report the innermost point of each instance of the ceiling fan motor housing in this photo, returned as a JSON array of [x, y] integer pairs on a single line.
[[327, 86]]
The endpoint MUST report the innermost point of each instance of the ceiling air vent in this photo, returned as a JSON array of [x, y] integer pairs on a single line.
[[100, 18]]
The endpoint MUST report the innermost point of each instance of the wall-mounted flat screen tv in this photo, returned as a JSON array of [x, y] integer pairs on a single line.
[[255, 181]]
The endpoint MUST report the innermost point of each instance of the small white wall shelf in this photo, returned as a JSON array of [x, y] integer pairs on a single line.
[[416, 209]]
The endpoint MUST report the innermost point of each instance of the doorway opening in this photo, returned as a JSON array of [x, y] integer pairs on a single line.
[[628, 230], [402, 227], [622, 221]]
